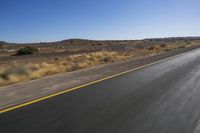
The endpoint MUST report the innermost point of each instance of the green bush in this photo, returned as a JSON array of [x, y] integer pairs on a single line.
[[27, 51]]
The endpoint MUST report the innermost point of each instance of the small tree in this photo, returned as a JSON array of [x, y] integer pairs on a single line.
[[27, 51]]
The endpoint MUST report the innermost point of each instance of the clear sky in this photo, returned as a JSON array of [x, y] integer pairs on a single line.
[[52, 20]]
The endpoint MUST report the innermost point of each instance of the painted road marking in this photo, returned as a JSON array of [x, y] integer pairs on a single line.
[[90, 83]]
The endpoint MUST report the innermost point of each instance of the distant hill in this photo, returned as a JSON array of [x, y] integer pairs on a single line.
[[4, 44]]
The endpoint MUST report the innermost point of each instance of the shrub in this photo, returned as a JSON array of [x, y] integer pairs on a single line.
[[27, 51], [166, 50], [163, 45], [1, 45], [181, 46], [188, 43], [20, 71], [106, 59], [151, 48]]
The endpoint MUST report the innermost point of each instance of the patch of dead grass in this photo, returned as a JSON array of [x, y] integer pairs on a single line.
[[18, 73]]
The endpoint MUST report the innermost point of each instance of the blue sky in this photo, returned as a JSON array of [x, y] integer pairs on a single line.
[[52, 20]]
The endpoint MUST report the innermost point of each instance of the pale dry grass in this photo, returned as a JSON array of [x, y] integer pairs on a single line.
[[18, 73]]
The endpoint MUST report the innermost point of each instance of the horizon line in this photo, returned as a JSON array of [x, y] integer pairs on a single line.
[[86, 39]]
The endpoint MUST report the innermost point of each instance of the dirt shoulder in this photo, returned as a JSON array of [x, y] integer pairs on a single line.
[[23, 92]]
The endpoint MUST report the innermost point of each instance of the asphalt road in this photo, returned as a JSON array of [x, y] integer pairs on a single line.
[[162, 98]]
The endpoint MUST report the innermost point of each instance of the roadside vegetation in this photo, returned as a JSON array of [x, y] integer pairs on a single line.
[[15, 72], [23, 72], [27, 51]]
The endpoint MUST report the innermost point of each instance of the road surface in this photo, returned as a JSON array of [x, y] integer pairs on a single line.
[[162, 98]]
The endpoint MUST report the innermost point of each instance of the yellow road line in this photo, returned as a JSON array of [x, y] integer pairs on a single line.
[[84, 85]]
